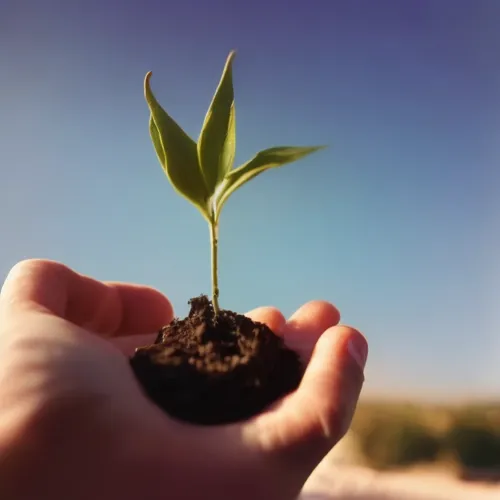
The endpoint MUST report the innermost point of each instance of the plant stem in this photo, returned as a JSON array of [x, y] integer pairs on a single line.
[[214, 244]]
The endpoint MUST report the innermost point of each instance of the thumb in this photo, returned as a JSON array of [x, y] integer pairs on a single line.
[[305, 425]]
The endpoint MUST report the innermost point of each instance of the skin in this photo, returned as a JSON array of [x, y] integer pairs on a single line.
[[75, 424]]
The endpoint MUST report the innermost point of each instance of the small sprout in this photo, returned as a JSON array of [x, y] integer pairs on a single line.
[[203, 172]]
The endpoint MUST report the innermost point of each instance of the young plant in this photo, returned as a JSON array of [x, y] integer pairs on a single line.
[[203, 172]]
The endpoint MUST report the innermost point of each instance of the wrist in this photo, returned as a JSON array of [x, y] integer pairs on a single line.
[[48, 450], [83, 450], [18, 445]]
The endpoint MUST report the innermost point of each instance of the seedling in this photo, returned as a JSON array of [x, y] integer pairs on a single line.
[[214, 366], [203, 172]]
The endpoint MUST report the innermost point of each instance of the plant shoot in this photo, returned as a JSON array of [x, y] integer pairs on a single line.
[[203, 171]]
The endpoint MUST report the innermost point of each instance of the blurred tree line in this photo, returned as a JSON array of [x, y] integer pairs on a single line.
[[396, 435]]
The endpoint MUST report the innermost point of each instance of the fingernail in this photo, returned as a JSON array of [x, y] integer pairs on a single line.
[[358, 350]]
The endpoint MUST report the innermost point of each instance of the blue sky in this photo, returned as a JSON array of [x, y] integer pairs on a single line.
[[397, 222]]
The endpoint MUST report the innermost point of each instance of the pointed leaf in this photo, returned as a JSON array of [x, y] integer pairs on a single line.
[[264, 160], [177, 154], [155, 139], [217, 142]]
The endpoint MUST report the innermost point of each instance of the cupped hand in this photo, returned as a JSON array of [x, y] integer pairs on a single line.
[[74, 423]]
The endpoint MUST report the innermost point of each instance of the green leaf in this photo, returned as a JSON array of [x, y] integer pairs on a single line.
[[155, 138], [217, 142], [264, 160], [177, 154]]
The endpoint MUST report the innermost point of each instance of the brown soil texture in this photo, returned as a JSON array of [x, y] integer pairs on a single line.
[[211, 370]]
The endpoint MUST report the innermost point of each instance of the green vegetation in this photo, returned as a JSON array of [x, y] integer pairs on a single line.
[[391, 443], [203, 171], [395, 435]]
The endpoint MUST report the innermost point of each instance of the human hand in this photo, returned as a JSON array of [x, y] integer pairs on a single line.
[[74, 422]]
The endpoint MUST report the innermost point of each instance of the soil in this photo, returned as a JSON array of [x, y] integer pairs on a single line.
[[215, 370]]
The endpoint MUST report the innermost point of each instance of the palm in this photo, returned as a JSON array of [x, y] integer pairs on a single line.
[[76, 347]]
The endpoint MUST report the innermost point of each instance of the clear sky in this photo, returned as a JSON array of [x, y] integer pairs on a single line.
[[397, 222]]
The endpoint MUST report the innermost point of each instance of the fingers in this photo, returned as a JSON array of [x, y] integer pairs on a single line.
[[306, 424], [306, 325], [271, 316], [332, 383], [105, 308]]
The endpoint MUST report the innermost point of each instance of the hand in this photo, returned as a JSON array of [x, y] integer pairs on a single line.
[[74, 423]]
